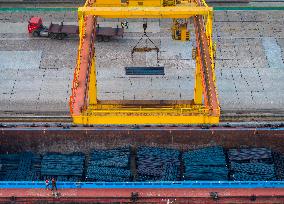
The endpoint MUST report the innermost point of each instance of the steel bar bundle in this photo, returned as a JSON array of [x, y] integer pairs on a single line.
[[20, 167], [205, 164], [240, 176], [251, 164], [249, 154], [9, 164], [109, 165], [109, 153], [65, 166], [154, 163], [253, 168], [279, 165]]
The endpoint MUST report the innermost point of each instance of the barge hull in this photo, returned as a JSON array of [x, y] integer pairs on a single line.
[[144, 196], [84, 139]]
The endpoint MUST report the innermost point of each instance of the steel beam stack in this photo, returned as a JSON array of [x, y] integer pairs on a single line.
[[109, 165], [158, 164], [205, 164], [254, 164]]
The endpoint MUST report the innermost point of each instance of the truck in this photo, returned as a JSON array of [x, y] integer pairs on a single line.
[[61, 31]]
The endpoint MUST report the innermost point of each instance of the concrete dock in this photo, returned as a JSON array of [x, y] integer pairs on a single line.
[[36, 73]]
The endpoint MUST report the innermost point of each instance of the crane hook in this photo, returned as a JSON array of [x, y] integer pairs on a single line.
[[145, 27]]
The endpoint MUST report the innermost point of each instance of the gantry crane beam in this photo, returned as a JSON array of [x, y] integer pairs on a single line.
[[87, 109], [144, 12]]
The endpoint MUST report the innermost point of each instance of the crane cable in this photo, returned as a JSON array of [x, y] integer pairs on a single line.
[[144, 49]]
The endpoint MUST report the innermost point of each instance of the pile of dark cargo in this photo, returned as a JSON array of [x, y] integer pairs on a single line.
[[158, 164], [109, 165], [146, 164]]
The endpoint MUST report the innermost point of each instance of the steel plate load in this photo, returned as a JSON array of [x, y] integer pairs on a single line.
[[158, 164], [109, 165], [205, 164], [65, 167]]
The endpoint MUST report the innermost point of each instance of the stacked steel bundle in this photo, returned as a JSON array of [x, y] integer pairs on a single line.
[[205, 164], [159, 164], [279, 165], [109, 165], [9, 166], [20, 167], [35, 172], [65, 167], [254, 164]]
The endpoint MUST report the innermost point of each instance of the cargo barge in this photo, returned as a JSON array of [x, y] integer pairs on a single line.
[[43, 146], [67, 139]]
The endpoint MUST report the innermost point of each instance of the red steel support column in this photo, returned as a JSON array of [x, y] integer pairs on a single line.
[[209, 89], [79, 98]]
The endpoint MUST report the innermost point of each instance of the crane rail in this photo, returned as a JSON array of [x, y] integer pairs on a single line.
[[225, 117]]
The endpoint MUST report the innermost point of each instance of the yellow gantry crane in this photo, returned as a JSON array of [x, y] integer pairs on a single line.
[[203, 109]]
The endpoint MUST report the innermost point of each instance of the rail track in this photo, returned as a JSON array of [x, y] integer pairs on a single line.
[[74, 4], [226, 118], [35, 119], [251, 117]]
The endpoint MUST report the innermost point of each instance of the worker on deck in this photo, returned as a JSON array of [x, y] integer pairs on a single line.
[[46, 184], [53, 182]]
